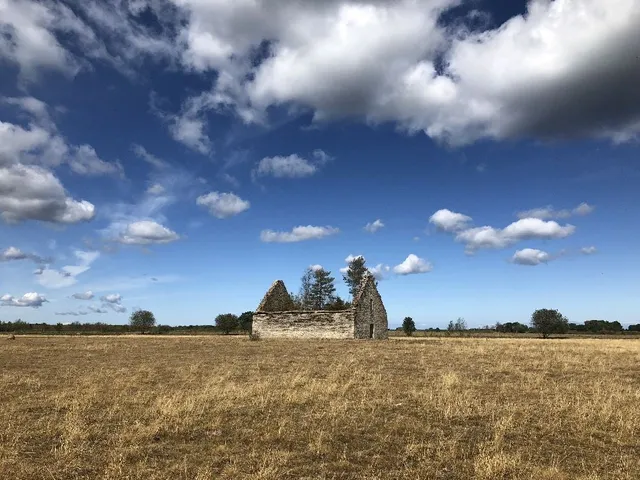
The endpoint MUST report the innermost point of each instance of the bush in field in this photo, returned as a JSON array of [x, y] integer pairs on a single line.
[[142, 320], [408, 326], [547, 321], [603, 326], [511, 327], [227, 322], [459, 326]]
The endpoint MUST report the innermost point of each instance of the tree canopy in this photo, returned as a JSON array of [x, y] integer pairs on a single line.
[[227, 322], [322, 289], [408, 326], [355, 274], [547, 321], [303, 299], [245, 321], [142, 320]]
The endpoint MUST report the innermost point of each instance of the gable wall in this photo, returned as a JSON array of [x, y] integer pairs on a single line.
[[368, 310]]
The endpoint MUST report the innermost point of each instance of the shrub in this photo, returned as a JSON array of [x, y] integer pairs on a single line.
[[409, 326], [459, 326]]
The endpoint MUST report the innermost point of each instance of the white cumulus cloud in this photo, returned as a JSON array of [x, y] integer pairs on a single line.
[[548, 212], [588, 250], [112, 298], [112, 301], [223, 205], [373, 227], [147, 232], [31, 299], [33, 193], [412, 265], [476, 238], [530, 257], [88, 295], [14, 253], [524, 229], [376, 61], [292, 166], [380, 271], [449, 221], [156, 189], [298, 234]]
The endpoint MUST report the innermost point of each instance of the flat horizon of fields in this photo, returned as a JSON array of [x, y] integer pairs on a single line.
[[200, 407]]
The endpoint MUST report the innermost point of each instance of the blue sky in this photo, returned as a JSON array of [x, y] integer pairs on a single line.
[[181, 156]]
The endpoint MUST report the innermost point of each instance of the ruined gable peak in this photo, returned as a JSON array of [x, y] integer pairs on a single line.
[[368, 281], [277, 299]]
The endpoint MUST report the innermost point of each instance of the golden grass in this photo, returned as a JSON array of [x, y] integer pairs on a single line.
[[225, 407]]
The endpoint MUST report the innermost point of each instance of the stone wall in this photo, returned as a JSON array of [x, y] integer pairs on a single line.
[[369, 310], [304, 324]]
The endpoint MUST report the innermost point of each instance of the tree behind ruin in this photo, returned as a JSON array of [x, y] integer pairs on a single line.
[[323, 289], [354, 275]]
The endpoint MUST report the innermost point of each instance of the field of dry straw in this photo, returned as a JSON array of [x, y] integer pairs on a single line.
[[224, 407]]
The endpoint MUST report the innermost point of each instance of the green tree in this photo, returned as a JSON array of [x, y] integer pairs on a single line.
[[227, 322], [323, 289], [338, 304], [355, 274], [245, 321], [142, 320], [547, 321], [303, 299], [409, 326]]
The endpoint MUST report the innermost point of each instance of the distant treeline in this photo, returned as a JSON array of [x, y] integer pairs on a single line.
[[589, 326], [99, 328], [21, 327]]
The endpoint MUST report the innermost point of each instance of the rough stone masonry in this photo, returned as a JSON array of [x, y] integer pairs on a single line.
[[276, 316]]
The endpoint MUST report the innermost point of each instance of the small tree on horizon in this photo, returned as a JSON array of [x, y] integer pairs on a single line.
[[142, 320], [459, 326], [408, 326], [547, 321], [227, 322]]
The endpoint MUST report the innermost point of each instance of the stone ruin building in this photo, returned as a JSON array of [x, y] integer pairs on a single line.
[[277, 317]]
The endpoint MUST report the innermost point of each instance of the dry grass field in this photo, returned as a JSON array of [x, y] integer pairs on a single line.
[[224, 407]]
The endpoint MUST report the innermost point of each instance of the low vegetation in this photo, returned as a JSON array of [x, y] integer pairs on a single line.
[[203, 407]]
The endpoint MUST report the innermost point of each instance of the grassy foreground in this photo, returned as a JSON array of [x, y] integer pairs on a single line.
[[214, 407]]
